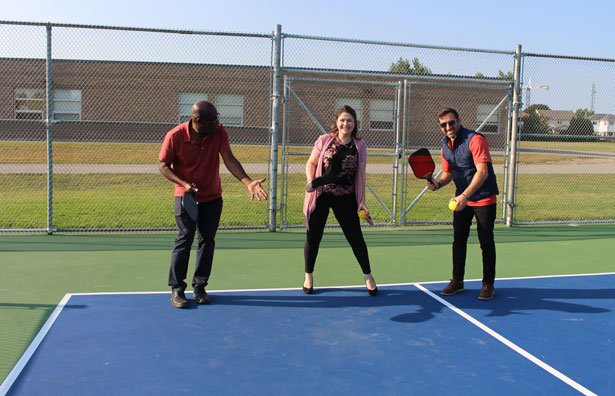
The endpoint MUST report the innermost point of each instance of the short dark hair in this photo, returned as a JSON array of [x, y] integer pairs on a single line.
[[448, 110]]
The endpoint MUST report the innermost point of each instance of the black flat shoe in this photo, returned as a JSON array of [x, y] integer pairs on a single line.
[[373, 292]]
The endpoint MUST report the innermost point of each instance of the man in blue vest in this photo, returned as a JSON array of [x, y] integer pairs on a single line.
[[466, 161]]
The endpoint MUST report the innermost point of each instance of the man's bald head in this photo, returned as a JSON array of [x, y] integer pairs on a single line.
[[204, 117], [204, 110]]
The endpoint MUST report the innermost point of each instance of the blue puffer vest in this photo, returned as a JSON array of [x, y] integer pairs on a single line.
[[460, 159]]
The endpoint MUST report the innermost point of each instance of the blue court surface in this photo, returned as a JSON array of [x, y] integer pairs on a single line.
[[538, 336]]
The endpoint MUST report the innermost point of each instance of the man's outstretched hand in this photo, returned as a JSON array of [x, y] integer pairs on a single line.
[[256, 190]]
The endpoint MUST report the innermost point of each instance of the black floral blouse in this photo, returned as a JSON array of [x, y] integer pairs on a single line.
[[342, 160]]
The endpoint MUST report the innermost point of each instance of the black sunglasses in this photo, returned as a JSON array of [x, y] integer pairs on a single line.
[[451, 123], [211, 120]]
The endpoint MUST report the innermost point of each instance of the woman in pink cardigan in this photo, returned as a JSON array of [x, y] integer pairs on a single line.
[[335, 175]]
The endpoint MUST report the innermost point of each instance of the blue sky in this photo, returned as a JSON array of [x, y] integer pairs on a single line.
[[548, 26]]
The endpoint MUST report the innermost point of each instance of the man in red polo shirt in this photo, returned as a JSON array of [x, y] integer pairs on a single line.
[[190, 158], [467, 162]]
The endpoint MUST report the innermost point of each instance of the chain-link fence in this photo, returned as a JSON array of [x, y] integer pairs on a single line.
[[397, 91], [308, 108], [84, 109], [566, 152], [109, 96]]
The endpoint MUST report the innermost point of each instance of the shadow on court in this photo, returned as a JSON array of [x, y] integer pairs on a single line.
[[508, 301]]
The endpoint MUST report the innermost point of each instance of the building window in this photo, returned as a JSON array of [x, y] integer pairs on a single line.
[[356, 104], [29, 104], [186, 100], [67, 104], [491, 124], [230, 108], [382, 114]]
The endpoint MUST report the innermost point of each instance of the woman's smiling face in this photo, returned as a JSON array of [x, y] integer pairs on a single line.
[[345, 123]]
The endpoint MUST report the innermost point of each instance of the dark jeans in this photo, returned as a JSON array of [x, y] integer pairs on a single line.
[[462, 221], [345, 211], [207, 225]]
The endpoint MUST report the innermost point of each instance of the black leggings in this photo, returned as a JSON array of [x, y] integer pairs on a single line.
[[462, 221], [345, 211]]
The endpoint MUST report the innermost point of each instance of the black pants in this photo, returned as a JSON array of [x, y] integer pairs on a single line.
[[207, 225], [345, 211], [462, 221]]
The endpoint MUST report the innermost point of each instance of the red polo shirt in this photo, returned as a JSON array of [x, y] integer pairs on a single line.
[[195, 162], [479, 147]]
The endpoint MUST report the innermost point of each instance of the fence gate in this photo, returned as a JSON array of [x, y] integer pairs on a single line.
[[484, 106], [309, 104]]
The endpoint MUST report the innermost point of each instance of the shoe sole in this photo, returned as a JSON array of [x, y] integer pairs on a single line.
[[453, 293], [179, 305], [487, 298]]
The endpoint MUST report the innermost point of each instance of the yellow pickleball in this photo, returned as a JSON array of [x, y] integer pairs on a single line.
[[452, 204], [362, 214]]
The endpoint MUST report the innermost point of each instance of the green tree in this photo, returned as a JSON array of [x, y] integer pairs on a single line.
[[581, 125], [534, 123], [537, 106], [505, 76], [404, 66], [583, 113], [501, 74]]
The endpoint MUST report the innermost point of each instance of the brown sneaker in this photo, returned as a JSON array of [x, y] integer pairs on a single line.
[[453, 287], [486, 292], [178, 299]]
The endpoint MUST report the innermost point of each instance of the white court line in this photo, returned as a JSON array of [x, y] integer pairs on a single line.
[[559, 375], [341, 287], [25, 358], [21, 363], [521, 278]]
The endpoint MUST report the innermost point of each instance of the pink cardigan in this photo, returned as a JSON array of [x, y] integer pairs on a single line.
[[309, 203]]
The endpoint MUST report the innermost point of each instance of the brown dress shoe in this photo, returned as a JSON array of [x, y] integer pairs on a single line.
[[486, 292], [178, 299], [454, 287]]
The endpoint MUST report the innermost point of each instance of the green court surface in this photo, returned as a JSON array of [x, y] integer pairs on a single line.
[[36, 271]]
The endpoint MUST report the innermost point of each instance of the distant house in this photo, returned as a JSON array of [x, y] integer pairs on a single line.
[[604, 124], [558, 120]]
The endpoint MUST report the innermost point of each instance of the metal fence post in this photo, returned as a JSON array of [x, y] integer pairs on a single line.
[[509, 116], [275, 126], [49, 124], [512, 165], [402, 152], [398, 150]]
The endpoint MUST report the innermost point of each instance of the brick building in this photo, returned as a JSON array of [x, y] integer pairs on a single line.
[[140, 101]]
